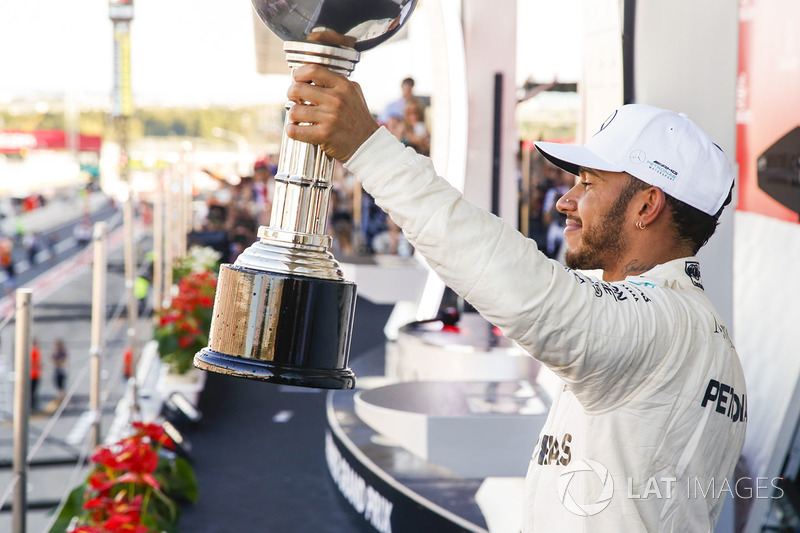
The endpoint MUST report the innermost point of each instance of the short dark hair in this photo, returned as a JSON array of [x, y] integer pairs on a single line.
[[693, 227]]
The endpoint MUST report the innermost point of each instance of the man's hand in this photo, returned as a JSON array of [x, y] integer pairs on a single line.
[[333, 111]]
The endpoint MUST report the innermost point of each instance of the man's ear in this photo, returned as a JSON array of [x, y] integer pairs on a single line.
[[652, 203]]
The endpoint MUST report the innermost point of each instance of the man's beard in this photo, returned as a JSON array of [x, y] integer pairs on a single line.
[[602, 243]]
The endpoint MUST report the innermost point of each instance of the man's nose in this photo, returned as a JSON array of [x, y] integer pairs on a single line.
[[566, 204]]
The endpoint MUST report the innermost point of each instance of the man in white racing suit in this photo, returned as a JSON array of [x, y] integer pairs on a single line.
[[650, 422]]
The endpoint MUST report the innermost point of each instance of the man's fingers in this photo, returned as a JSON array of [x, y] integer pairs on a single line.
[[301, 112], [307, 133], [304, 92], [329, 111], [318, 75]]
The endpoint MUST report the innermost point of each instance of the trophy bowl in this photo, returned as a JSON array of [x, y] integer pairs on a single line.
[[366, 23], [283, 312]]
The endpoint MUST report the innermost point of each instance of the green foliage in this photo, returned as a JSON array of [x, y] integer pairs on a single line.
[[179, 482], [183, 328], [72, 507]]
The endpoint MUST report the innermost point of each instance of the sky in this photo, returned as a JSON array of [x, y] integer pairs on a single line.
[[200, 52]]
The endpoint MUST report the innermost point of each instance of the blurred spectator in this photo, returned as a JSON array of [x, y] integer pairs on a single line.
[[397, 108], [342, 230], [127, 364], [7, 261], [32, 246], [239, 243], [52, 240], [373, 220], [59, 359], [83, 232], [391, 241], [141, 288], [396, 126], [19, 228], [263, 189], [553, 219], [36, 373], [30, 203], [213, 235], [415, 132]]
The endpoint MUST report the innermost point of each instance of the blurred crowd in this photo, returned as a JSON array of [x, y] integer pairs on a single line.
[[545, 223], [231, 217], [21, 247]]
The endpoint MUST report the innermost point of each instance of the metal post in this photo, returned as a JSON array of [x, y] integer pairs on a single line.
[[525, 204], [497, 142], [169, 241], [181, 199], [179, 219], [22, 406], [98, 322], [121, 14], [158, 245], [242, 147], [185, 198], [188, 198], [130, 274]]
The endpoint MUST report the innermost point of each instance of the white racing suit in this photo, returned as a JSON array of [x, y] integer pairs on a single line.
[[649, 425]]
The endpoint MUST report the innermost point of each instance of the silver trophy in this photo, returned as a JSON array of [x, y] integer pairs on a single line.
[[283, 312]]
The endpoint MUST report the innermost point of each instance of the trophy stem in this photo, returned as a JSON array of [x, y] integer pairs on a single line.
[[303, 184], [305, 173]]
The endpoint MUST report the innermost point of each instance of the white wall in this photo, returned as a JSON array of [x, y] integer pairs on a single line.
[[490, 41], [681, 65]]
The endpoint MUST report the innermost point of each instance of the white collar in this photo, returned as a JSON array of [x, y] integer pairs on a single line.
[[679, 273]]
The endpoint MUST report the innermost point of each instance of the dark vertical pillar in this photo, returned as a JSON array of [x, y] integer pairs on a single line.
[[628, 33], [497, 138]]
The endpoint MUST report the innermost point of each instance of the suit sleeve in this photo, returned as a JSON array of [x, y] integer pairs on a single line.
[[582, 328]]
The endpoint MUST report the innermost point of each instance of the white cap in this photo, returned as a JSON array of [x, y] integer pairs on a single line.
[[662, 148]]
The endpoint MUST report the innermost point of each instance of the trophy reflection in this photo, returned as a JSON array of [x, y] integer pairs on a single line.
[[283, 312]]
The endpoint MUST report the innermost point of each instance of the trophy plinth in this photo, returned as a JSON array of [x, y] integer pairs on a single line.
[[283, 312], [281, 328]]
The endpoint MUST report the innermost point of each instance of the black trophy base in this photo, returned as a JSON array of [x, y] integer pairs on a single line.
[[207, 359], [281, 328]]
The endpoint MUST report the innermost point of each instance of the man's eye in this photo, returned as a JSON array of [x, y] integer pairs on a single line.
[[585, 183]]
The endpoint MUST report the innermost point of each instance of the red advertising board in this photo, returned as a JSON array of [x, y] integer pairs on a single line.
[[768, 109], [12, 141]]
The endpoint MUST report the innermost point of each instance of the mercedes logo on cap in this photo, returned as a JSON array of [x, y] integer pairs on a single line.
[[638, 157]]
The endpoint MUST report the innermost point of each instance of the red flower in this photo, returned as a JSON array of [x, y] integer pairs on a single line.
[[94, 503], [188, 325], [105, 457], [138, 457], [122, 479], [184, 341], [155, 433], [98, 479], [168, 319], [123, 522]]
